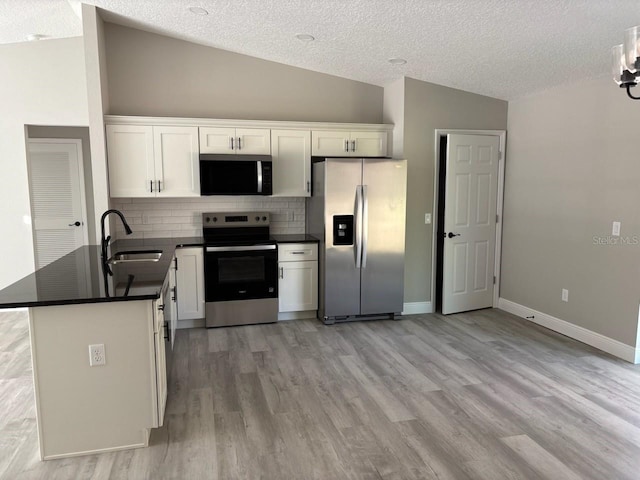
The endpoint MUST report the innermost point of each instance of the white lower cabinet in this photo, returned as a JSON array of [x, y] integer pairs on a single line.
[[190, 283], [298, 277]]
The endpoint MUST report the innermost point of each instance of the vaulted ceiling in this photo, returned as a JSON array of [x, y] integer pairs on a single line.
[[501, 48]]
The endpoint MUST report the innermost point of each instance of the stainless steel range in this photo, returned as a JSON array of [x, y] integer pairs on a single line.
[[240, 269]]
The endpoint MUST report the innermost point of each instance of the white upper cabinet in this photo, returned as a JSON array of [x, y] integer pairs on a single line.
[[131, 162], [291, 151], [146, 161], [336, 143], [177, 163], [250, 141]]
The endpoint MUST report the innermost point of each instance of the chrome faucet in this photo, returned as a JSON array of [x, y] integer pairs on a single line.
[[104, 242]]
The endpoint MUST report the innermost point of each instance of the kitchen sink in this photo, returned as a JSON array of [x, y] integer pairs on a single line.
[[136, 256]]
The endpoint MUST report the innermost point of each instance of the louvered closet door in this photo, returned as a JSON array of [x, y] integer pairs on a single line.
[[57, 199]]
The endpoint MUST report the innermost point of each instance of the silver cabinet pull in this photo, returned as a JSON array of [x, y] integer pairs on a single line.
[[353, 145], [346, 145], [159, 187], [151, 184], [281, 272], [231, 143], [308, 186], [239, 144]]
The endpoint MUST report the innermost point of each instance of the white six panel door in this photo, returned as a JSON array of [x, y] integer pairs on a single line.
[[470, 215]]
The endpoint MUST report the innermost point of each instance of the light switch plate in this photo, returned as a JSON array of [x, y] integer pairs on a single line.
[[427, 219], [616, 229], [565, 295]]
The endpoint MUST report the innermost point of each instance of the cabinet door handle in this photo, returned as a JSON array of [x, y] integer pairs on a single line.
[[175, 294], [346, 145], [159, 187], [308, 186], [297, 253], [151, 183], [239, 144], [281, 272], [231, 138], [353, 145]]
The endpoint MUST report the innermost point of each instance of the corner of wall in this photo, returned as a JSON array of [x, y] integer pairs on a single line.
[[97, 99], [393, 112]]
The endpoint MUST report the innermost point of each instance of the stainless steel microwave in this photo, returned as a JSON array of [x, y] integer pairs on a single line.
[[222, 174]]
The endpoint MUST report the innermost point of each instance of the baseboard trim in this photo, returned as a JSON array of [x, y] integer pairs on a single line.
[[95, 451], [597, 340], [414, 308], [286, 316], [197, 323]]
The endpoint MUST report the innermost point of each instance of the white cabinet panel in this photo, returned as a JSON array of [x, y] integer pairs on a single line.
[[253, 141], [190, 283], [368, 144], [298, 279], [327, 143], [250, 141], [291, 151], [177, 166], [146, 161], [216, 140], [131, 160], [330, 143]]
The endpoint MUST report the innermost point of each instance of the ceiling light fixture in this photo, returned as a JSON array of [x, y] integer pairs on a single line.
[[305, 37], [625, 60], [397, 61], [34, 37], [198, 11]]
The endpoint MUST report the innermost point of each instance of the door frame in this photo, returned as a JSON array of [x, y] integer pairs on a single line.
[[83, 196], [439, 133]]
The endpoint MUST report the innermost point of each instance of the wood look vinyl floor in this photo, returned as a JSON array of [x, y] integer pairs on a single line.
[[481, 395]]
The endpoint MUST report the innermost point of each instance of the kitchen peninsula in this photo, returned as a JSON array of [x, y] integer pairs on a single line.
[[87, 400]]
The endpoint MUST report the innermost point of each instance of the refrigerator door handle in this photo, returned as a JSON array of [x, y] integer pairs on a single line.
[[358, 235], [365, 225]]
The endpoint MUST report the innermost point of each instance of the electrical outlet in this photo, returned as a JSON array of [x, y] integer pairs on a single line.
[[565, 295], [96, 355], [615, 231], [427, 218]]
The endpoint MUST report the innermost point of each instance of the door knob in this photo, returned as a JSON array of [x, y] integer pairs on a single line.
[[75, 224], [451, 235]]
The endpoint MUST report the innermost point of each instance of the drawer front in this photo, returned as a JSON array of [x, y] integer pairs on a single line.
[[296, 252]]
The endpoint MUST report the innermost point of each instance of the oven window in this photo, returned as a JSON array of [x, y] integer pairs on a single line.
[[241, 269]]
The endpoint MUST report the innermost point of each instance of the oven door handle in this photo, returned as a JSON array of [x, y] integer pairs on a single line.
[[248, 248]]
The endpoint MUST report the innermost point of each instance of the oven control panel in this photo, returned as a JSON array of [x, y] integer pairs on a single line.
[[235, 219]]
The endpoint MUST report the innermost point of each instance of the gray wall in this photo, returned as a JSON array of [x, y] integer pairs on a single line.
[[428, 107], [572, 169], [155, 75], [82, 133]]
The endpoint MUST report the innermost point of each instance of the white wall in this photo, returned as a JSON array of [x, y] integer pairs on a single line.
[[572, 168], [41, 83]]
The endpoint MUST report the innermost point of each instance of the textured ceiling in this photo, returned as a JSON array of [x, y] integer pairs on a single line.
[[501, 48]]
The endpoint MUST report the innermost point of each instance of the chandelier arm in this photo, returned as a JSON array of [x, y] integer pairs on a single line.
[[629, 93]]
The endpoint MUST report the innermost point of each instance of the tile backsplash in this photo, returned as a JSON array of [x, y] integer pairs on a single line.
[[182, 217]]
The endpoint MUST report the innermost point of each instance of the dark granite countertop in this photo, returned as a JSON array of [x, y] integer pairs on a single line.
[[79, 277], [295, 238]]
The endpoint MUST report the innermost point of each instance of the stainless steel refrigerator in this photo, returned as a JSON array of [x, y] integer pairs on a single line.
[[358, 210]]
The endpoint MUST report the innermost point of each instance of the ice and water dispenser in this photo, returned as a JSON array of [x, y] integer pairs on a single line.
[[343, 229]]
